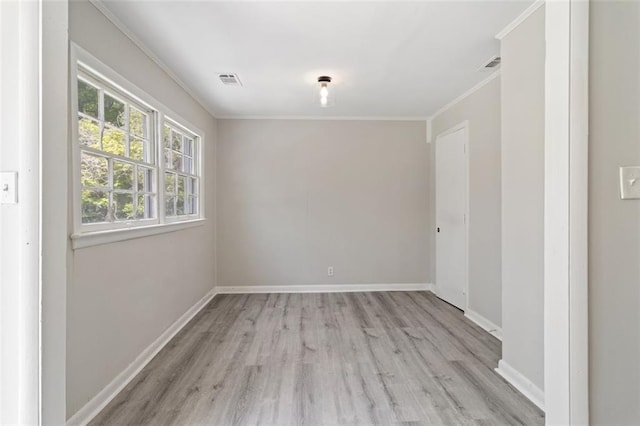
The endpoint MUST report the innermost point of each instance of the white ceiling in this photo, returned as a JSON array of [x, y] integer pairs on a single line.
[[388, 59]]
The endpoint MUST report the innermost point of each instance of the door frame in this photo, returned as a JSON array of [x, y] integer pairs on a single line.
[[566, 317], [20, 281], [464, 125], [35, 390]]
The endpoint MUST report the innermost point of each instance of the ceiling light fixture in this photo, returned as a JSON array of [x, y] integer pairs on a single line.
[[324, 90]]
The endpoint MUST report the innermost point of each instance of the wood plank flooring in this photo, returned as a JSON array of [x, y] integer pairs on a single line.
[[324, 359]]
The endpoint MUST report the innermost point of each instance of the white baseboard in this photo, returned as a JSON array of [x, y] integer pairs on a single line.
[[324, 288], [98, 402], [524, 385], [484, 323]]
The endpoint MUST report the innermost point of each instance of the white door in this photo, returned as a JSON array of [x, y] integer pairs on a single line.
[[451, 210]]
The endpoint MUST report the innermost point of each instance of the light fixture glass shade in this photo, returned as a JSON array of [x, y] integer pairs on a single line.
[[325, 96], [324, 90]]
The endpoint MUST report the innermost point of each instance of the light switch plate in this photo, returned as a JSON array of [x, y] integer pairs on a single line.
[[8, 187], [630, 183]]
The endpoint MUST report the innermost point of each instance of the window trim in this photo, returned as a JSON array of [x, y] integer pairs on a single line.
[[89, 77], [86, 235], [94, 238], [197, 165]]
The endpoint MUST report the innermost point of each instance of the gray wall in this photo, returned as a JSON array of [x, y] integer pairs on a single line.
[[122, 296], [614, 224], [523, 59], [297, 196], [482, 110]]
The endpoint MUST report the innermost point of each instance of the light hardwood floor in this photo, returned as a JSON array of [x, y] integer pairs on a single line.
[[324, 359]]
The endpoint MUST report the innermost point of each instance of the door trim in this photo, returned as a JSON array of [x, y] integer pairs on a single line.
[[566, 346], [464, 125]]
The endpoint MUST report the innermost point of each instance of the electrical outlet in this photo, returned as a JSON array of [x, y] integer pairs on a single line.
[[330, 271]]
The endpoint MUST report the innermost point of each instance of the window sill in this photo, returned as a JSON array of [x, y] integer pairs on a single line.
[[96, 238]]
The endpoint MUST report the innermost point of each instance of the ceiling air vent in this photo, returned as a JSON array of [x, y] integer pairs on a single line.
[[493, 63], [230, 79]]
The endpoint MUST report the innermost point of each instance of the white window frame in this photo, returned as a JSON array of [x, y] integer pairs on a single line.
[[197, 166], [104, 86], [86, 235]]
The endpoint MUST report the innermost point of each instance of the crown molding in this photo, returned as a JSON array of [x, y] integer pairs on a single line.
[[520, 19], [102, 7], [466, 94]]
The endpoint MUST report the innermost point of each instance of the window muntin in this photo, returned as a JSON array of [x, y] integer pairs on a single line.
[[122, 179], [181, 175]]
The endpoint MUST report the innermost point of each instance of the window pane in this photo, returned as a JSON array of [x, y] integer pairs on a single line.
[[87, 99], [170, 183], [94, 170], [176, 139], [95, 206], [113, 141], [88, 132], [170, 208], [193, 186], [180, 206], [188, 146], [168, 164], [177, 161], [113, 111], [136, 149], [122, 206], [137, 122], [188, 164], [145, 207], [193, 205], [181, 185], [122, 175], [145, 179], [166, 136]]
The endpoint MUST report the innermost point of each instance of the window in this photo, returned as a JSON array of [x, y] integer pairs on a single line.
[[117, 172], [136, 165], [180, 171]]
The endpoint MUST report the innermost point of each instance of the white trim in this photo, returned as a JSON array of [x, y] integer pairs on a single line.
[[566, 347], [484, 323], [98, 402], [460, 126], [466, 94], [324, 288], [579, 212], [89, 239], [520, 19], [28, 244], [316, 117], [104, 9], [521, 383]]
